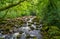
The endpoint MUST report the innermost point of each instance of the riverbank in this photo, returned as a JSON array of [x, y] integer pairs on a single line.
[[53, 32]]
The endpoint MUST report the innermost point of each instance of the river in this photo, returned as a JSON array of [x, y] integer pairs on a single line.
[[25, 32]]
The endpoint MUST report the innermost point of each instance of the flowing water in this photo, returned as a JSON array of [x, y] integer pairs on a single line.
[[25, 32]]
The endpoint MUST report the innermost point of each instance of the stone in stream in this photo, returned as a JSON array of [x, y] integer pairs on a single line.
[[21, 32], [23, 36], [29, 24], [30, 20], [0, 34], [35, 33], [19, 36], [16, 34], [34, 26], [40, 26], [12, 36], [25, 29], [30, 37]]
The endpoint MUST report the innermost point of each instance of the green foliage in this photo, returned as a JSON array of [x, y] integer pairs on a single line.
[[52, 33], [25, 8], [46, 10]]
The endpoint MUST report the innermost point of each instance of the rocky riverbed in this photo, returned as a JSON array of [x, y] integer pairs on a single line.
[[21, 28]]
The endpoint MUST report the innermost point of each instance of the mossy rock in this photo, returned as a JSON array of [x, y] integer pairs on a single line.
[[34, 38], [18, 37], [45, 38], [28, 36], [32, 28], [56, 37], [1, 38], [44, 28], [37, 23], [54, 30], [20, 32], [37, 26], [29, 24], [3, 22], [36, 20], [32, 22], [37, 29]]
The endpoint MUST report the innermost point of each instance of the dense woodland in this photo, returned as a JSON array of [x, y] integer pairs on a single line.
[[47, 13]]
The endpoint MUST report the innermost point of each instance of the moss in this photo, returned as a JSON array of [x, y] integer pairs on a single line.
[[34, 38], [56, 37], [36, 20], [32, 22], [55, 31], [51, 33], [32, 28], [29, 24], [18, 37], [10, 24], [28, 36], [1, 38]]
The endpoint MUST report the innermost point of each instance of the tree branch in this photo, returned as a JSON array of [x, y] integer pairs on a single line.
[[12, 5]]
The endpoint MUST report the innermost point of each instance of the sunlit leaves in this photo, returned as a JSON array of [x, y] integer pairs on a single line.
[[4, 3], [30, 6]]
